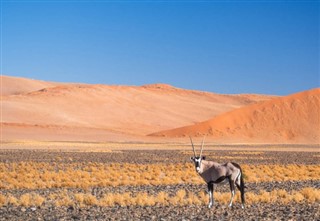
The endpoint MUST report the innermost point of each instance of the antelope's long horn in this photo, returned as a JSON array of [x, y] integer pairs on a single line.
[[194, 152], [202, 146]]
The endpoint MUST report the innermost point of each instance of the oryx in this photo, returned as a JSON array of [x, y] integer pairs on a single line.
[[214, 173]]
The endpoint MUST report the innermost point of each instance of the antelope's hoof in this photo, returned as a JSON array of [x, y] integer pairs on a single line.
[[209, 206], [230, 205]]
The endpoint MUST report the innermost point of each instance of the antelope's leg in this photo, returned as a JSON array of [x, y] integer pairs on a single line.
[[232, 189], [237, 181], [210, 192], [240, 185]]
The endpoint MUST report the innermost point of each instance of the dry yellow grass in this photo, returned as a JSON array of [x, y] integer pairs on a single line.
[[281, 172], [11, 200], [181, 197], [61, 199], [35, 175], [27, 199], [31, 200], [2, 200]]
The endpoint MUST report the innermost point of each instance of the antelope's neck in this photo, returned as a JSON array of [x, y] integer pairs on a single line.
[[205, 165]]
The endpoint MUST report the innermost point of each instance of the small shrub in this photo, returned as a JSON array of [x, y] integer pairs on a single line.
[[37, 200], [3, 200], [29, 199], [179, 198], [297, 197], [25, 199], [163, 198], [311, 195], [63, 200], [12, 200]]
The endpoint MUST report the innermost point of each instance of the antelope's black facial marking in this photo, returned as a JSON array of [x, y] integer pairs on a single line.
[[197, 162]]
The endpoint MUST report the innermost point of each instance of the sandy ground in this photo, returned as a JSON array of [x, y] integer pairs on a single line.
[[186, 146]]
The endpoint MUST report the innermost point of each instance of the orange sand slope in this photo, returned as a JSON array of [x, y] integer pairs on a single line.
[[292, 119], [15, 85], [40, 110]]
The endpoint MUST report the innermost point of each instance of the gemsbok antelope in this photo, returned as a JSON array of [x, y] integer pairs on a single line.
[[214, 173]]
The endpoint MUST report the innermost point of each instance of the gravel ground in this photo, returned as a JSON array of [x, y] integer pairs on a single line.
[[293, 211], [171, 189], [261, 211], [159, 156]]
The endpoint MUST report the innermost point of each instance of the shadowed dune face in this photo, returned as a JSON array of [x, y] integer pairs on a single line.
[[53, 111], [294, 118]]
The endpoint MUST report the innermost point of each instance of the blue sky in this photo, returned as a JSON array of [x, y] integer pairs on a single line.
[[223, 47]]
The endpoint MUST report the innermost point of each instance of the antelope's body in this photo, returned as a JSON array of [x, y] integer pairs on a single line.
[[214, 173]]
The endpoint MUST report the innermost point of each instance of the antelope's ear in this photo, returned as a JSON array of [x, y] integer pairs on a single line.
[[204, 157], [192, 159]]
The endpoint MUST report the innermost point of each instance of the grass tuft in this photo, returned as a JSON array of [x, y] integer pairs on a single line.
[[34, 175]]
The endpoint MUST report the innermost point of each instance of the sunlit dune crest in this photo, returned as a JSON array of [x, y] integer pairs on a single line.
[[294, 118], [16, 85]]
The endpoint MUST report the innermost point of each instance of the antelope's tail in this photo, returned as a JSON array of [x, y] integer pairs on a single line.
[[242, 186]]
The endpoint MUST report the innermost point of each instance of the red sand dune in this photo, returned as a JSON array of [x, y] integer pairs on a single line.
[[290, 119], [40, 110]]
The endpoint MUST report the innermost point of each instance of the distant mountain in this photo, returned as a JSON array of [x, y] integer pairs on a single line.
[[289, 119], [39, 110]]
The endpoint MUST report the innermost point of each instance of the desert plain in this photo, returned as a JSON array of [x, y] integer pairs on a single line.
[[110, 152]]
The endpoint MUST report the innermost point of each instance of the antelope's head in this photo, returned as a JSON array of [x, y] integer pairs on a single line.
[[197, 160]]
